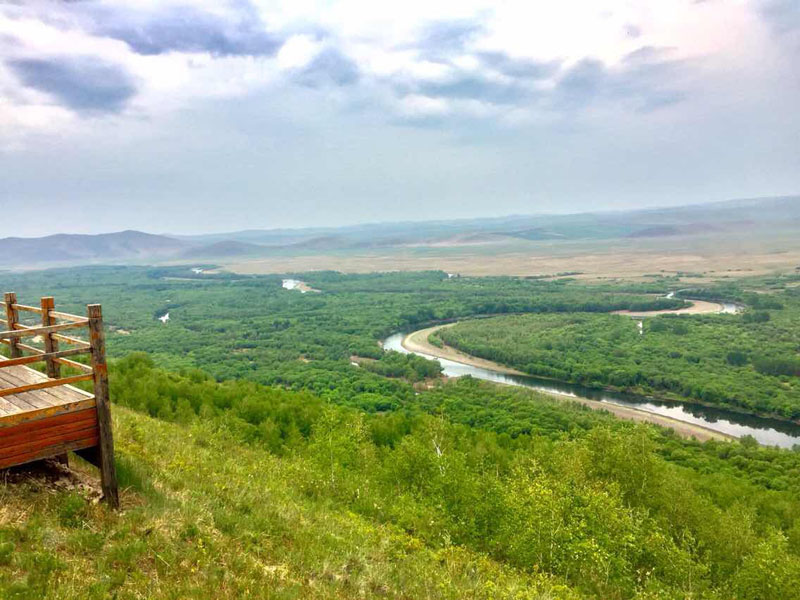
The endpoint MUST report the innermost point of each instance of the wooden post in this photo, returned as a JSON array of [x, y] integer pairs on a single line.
[[97, 340], [50, 345], [12, 318]]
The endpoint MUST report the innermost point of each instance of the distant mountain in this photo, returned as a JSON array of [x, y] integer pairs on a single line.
[[225, 249], [699, 219], [74, 248], [737, 217]]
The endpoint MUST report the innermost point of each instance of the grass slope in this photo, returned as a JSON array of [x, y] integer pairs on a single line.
[[206, 517]]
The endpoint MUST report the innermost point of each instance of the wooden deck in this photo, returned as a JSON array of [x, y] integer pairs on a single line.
[[43, 423], [41, 414]]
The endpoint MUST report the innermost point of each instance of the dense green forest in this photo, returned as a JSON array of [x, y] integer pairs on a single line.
[[251, 328], [753, 356], [251, 450]]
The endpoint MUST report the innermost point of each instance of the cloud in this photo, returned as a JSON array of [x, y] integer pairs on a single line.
[[185, 29], [644, 81], [783, 16], [475, 87], [83, 84], [329, 67], [443, 38], [517, 67]]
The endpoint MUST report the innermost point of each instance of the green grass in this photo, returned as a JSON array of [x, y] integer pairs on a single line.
[[206, 517]]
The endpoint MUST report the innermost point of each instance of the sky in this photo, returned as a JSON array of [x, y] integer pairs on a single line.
[[211, 116]]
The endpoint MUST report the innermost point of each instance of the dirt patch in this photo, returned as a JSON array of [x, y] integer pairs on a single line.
[[50, 475], [698, 307], [418, 342]]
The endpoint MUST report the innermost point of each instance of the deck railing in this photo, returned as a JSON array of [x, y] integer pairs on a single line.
[[50, 333], [53, 324]]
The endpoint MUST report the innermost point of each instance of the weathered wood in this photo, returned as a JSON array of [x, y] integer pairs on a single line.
[[49, 437], [49, 452], [43, 413], [25, 308], [50, 345], [108, 469], [45, 384], [11, 322], [68, 317], [87, 413], [23, 331], [43, 416], [26, 360]]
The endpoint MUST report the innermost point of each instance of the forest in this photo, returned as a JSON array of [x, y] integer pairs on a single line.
[[753, 356], [243, 420]]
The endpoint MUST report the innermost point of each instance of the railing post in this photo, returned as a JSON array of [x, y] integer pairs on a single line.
[[50, 345], [108, 471], [12, 318]]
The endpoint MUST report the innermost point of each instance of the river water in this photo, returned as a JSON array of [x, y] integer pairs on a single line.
[[769, 432]]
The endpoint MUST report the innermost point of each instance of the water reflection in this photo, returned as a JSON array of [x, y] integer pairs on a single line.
[[770, 432]]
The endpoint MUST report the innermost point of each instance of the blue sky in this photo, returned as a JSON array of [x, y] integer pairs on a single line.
[[211, 116]]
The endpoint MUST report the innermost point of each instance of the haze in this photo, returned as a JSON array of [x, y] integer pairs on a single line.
[[170, 117]]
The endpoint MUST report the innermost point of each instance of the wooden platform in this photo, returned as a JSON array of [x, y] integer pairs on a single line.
[[63, 418], [41, 414]]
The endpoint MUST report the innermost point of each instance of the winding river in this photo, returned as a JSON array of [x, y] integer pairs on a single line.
[[769, 432]]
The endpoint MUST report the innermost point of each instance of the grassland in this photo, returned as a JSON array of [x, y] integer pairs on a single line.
[[206, 517], [705, 259]]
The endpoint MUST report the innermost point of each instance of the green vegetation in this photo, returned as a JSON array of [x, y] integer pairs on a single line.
[[258, 462], [236, 327], [753, 360], [255, 490]]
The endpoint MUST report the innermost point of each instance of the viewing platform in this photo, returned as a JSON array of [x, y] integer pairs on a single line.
[[41, 414]]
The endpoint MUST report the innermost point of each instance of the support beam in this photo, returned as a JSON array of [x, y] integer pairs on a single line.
[[11, 321], [50, 345], [108, 470]]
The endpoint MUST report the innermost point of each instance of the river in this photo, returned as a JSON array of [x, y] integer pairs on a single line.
[[769, 432]]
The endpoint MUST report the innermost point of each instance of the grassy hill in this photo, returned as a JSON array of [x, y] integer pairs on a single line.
[[206, 517], [245, 491]]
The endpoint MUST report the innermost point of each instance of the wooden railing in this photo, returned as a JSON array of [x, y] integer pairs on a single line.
[[50, 334], [53, 324]]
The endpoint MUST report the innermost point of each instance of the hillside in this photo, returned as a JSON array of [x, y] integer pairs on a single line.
[[206, 517], [68, 248], [238, 490]]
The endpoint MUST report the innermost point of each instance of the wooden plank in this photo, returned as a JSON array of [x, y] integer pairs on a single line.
[[21, 459], [68, 317], [46, 384], [26, 331], [13, 438], [43, 413], [61, 338], [20, 376], [33, 309], [73, 364], [26, 360], [52, 421], [7, 408], [25, 401], [108, 470], [48, 439], [71, 340]]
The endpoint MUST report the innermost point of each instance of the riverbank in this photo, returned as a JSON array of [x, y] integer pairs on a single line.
[[417, 342], [697, 307]]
